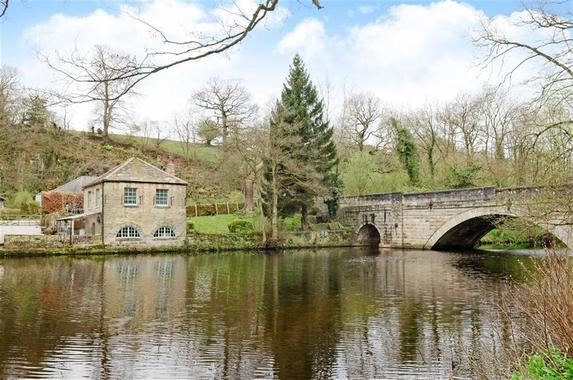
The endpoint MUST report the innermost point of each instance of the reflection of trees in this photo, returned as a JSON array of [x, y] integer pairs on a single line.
[[39, 308], [332, 313]]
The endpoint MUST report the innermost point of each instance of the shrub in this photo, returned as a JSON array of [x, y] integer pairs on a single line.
[[291, 223], [463, 177], [240, 226], [550, 365], [190, 226]]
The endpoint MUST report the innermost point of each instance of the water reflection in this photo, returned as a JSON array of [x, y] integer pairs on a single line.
[[308, 314]]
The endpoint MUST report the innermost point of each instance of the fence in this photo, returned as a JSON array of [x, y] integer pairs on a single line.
[[214, 209]]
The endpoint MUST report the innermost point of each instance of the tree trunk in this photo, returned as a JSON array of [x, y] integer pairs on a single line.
[[248, 192], [106, 112], [224, 129], [431, 162], [304, 225]]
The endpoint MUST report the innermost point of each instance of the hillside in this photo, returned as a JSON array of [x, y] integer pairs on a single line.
[[33, 160]]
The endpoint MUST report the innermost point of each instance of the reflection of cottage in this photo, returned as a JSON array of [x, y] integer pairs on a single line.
[[135, 203]]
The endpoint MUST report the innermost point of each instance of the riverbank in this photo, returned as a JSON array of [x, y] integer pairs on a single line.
[[197, 243]]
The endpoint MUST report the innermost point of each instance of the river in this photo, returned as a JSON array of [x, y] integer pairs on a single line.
[[336, 313]]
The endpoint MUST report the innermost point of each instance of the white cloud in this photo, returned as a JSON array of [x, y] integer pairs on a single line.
[[409, 56], [160, 95], [307, 38]]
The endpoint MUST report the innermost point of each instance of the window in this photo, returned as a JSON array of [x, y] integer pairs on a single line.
[[98, 200], [162, 197], [128, 232], [89, 199], [164, 232], [130, 196]]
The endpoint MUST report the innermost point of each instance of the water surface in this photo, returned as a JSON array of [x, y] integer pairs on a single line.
[[337, 313]]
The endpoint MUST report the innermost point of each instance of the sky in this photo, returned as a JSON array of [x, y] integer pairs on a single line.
[[407, 53]]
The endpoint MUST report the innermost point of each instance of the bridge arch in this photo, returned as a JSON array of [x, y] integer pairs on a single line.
[[368, 234], [464, 230]]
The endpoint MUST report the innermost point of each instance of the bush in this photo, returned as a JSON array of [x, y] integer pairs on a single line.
[[549, 365], [291, 223], [241, 226], [464, 177], [24, 201], [190, 226]]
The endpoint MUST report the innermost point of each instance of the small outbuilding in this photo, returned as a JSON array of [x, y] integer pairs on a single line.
[[135, 203], [67, 197], [2, 201]]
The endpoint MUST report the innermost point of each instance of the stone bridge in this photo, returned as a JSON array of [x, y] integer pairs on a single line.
[[451, 219]]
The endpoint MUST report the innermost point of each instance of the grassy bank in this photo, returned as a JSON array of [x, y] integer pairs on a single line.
[[508, 238]]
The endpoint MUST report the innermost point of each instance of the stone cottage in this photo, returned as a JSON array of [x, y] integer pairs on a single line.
[[135, 203], [2, 201]]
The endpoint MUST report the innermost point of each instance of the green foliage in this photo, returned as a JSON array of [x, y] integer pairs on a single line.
[[241, 226], [236, 197], [407, 151], [290, 223], [360, 174], [550, 365], [24, 201], [215, 224], [305, 115], [190, 226], [208, 131], [36, 113], [464, 176]]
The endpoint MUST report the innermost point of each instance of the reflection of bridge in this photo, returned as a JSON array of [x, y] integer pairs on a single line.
[[441, 219]]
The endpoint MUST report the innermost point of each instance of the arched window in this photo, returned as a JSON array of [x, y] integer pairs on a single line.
[[128, 232], [164, 232]]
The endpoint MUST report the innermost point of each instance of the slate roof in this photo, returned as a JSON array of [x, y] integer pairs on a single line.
[[76, 185], [137, 170]]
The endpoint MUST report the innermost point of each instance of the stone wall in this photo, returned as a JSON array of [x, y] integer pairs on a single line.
[[146, 217], [46, 241], [19, 227]]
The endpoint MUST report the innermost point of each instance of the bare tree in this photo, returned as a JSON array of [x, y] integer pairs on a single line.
[[497, 122], [249, 145], [554, 51], [362, 115], [9, 91], [3, 7], [95, 79], [187, 135], [229, 102], [180, 50], [462, 117]]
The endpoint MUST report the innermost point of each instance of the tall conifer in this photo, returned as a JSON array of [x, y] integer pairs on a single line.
[[316, 148]]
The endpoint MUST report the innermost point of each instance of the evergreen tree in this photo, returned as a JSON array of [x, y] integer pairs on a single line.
[[317, 149], [36, 113]]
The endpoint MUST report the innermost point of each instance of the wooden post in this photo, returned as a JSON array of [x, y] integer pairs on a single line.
[[195, 209], [228, 212], [216, 209]]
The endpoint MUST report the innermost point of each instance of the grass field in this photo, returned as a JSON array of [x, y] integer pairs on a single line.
[[215, 224], [200, 152]]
